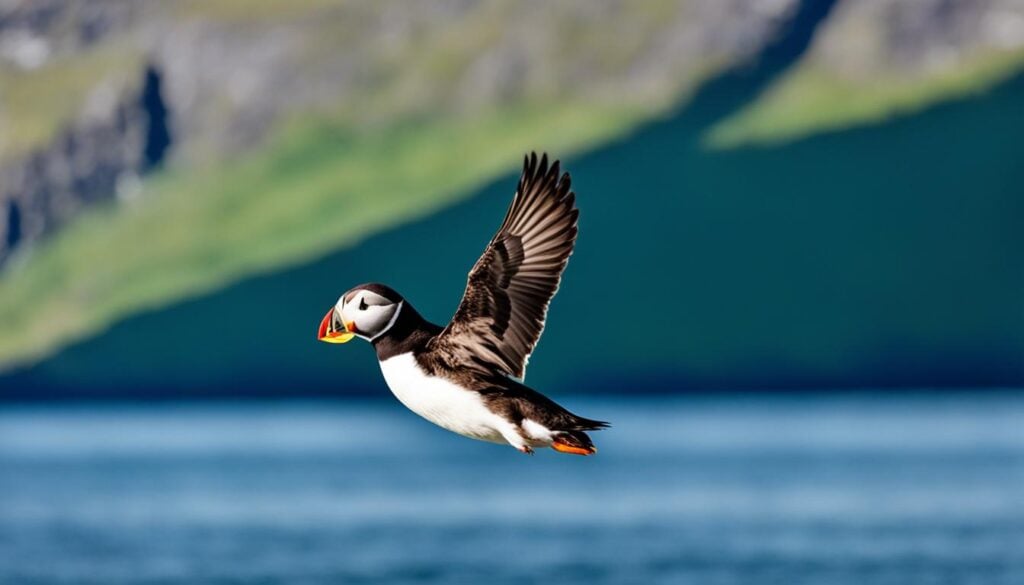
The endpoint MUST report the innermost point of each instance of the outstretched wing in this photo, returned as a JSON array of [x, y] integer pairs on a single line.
[[506, 301]]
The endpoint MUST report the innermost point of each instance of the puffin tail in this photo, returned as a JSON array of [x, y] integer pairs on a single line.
[[574, 443]]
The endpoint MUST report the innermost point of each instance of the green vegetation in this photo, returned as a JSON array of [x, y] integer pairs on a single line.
[[190, 234], [418, 125], [810, 99]]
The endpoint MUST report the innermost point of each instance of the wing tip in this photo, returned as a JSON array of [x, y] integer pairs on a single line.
[[539, 178]]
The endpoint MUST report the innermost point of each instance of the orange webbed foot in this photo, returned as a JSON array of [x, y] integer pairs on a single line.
[[572, 449]]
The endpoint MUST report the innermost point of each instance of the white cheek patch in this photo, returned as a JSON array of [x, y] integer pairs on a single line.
[[391, 322], [350, 313], [368, 320], [378, 313]]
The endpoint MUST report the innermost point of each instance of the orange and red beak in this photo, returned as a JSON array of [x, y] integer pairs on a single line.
[[334, 329]]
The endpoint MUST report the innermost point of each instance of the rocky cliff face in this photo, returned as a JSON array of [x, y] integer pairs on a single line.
[[92, 93], [230, 73], [292, 129], [873, 59], [89, 153], [98, 156], [869, 40]]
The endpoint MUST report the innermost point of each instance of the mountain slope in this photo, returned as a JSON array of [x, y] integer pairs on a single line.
[[834, 261], [298, 129], [876, 59], [155, 152]]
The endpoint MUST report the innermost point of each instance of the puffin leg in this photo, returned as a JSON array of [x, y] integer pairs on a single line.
[[516, 439]]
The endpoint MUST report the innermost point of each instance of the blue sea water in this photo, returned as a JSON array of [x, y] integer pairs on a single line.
[[809, 488]]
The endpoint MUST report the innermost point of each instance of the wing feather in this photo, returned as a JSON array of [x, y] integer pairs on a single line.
[[508, 291]]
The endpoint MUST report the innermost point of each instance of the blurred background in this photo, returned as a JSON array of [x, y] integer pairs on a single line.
[[810, 212]]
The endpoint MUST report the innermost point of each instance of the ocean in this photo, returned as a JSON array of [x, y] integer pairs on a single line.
[[849, 488]]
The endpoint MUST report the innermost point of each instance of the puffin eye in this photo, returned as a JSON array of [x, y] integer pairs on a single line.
[[362, 304]]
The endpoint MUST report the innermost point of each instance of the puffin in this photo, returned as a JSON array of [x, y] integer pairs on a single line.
[[467, 377]]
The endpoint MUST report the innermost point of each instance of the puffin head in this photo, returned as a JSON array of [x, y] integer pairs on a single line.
[[366, 311]]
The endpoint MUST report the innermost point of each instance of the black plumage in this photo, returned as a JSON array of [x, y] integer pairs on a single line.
[[505, 305]]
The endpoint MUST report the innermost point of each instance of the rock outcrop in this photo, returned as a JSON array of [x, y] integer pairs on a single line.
[[230, 74], [99, 156], [868, 40], [873, 59]]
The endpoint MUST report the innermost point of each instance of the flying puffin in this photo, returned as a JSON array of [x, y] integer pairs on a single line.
[[463, 377]]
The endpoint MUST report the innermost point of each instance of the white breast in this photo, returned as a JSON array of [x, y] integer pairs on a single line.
[[442, 402]]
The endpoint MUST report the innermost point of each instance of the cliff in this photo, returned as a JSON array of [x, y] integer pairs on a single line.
[[154, 152], [875, 59], [275, 123], [222, 76]]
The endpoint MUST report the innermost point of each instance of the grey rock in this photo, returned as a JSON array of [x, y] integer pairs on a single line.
[[230, 76]]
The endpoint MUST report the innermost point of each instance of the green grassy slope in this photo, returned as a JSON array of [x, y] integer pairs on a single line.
[[194, 233], [811, 99], [396, 119], [35, 105], [419, 129], [876, 59], [828, 262]]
